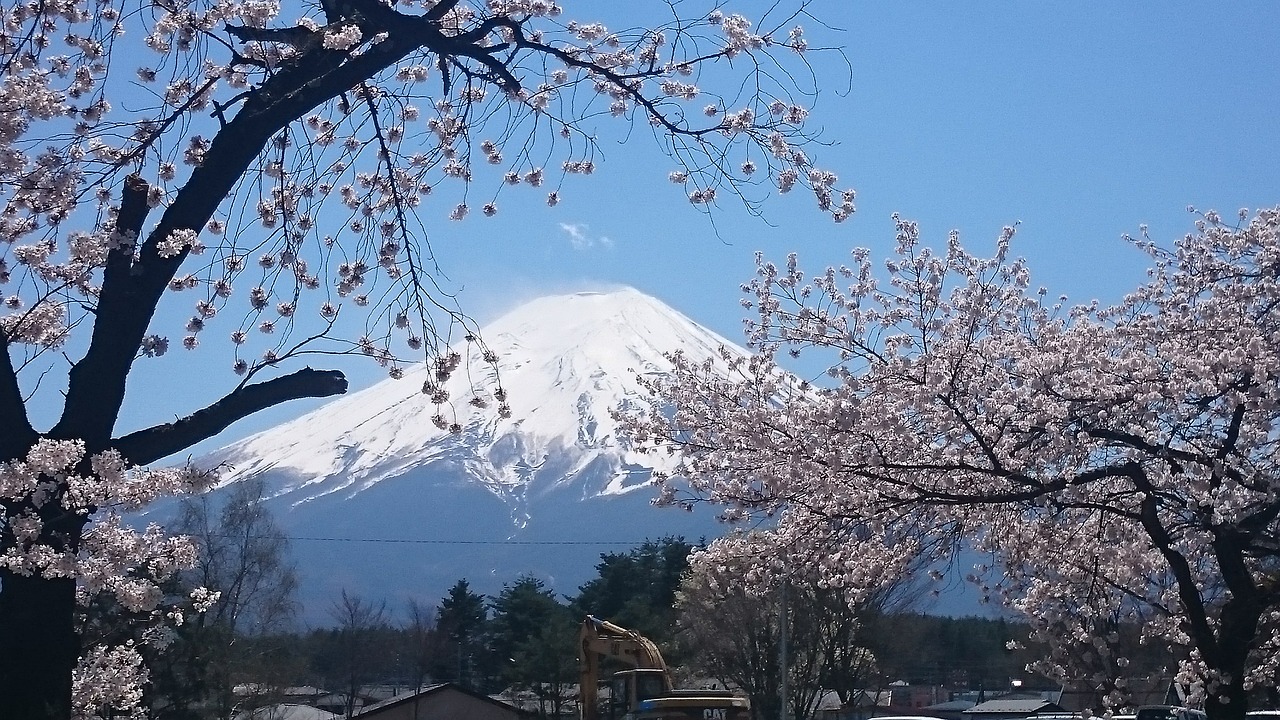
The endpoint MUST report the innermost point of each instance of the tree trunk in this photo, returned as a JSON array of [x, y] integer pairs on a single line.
[[1237, 630], [38, 646], [1230, 701], [1238, 627]]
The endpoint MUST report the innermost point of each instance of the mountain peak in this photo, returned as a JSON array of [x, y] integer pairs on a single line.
[[582, 323], [566, 361]]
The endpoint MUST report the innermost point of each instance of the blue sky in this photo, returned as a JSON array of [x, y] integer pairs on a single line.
[[1079, 120]]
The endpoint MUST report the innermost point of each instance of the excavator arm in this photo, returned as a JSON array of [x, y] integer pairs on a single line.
[[602, 638], [647, 686]]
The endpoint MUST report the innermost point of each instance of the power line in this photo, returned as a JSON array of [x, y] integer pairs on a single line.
[[419, 541]]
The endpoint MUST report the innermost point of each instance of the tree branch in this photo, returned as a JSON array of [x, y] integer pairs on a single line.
[[147, 446], [441, 9], [128, 301], [297, 36], [134, 282], [129, 219], [1198, 625], [17, 434]]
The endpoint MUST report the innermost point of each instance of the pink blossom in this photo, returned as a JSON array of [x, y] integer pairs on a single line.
[[963, 410]]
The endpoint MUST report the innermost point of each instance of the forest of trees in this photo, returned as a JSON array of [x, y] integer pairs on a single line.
[[524, 638]]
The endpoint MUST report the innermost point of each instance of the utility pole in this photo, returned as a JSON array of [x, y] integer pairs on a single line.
[[782, 653]]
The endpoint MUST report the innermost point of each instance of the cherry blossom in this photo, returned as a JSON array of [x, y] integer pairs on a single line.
[[1115, 466]]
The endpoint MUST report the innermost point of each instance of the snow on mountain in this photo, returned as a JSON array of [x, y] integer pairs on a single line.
[[383, 502], [566, 361]]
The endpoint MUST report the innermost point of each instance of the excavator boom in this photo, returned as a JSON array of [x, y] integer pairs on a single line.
[[647, 690], [605, 638]]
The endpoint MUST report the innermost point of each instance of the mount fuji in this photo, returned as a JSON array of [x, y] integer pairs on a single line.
[[384, 504]]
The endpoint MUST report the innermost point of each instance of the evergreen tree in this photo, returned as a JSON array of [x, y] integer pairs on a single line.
[[547, 665], [533, 637], [463, 620], [637, 589]]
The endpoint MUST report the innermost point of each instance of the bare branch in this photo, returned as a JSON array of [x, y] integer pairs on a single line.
[[147, 446]]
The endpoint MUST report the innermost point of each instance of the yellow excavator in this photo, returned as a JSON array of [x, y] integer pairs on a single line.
[[643, 691]]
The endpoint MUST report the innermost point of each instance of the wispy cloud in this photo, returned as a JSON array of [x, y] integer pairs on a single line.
[[581, 238]]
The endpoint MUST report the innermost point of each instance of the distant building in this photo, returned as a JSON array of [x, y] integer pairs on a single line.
[[862, 705], [447, 701], [299, 695], [1154, 690], [1011, 709], [950, 710], [546, 699], [287, 711], [905, 696]]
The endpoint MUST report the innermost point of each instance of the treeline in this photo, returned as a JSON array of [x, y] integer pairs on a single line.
[[970, 653], [245, 648], [523, 638]]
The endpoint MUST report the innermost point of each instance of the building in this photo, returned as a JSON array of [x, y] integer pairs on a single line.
[[950, 710], [1153, 690], [447, 701], [287, 711], [1011, 709]]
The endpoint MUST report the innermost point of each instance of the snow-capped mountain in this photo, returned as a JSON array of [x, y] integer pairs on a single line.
[[407, 507], [565, 361]]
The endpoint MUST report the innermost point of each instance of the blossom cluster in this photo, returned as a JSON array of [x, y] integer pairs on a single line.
[[965, 409], [111, 557]]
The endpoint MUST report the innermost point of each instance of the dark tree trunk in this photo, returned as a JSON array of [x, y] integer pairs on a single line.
[[38, 641], [1237, 630], [1238, 627], [1231, 700], [38, 646]]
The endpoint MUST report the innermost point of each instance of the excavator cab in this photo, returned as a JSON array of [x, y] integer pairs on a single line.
[[628, 688]]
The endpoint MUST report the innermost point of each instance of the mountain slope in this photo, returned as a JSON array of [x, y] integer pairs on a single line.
[[566, 361], [373, 466]]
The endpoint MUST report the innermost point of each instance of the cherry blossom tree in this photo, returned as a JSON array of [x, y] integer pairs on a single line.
[[1118, 464], [736, 630], [274, 168]]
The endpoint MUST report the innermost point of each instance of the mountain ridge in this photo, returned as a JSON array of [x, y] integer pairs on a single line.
[[563, 385], [371, 467]]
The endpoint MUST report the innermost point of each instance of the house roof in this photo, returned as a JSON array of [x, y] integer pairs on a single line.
[[292, 691], [1026, 706], [952, 706], [443, 687], [287, 711], [869, 698], [830, 700], [1151, 690]]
